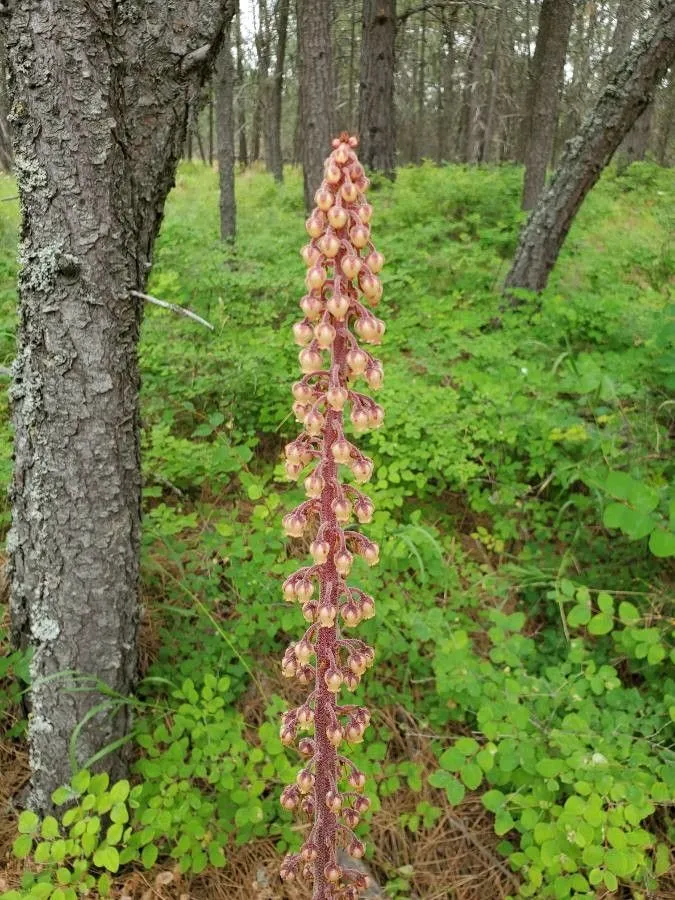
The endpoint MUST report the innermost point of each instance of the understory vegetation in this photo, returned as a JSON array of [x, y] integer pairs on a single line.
[[524, 698]]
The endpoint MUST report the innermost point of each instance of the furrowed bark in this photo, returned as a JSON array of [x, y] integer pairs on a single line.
[[625, 98], [99, 97], [225, 133], [376, 95]]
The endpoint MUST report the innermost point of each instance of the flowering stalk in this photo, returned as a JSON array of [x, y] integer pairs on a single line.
[[341, 277]]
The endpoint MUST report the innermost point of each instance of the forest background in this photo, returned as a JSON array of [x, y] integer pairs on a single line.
[[523, 697]]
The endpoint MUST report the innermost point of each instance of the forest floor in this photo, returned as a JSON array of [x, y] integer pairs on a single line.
[[523, 695]]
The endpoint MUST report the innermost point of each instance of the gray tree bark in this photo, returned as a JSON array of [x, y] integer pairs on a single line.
[[275, 87], [239, 100], [225, 139], [376, 93], [543, 100], [471, 105], [99, 98], [625, 98], [317, 90], [6, 153], [490, 151]]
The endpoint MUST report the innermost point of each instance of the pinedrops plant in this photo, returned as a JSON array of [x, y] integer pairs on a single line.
[[342, 277]]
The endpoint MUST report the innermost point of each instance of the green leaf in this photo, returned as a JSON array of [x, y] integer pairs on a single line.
[[628, 613], [80, 782], [104, 885], [466, 746], [22, 846], [550, 768], [107, 858], [149, 855], [472, 775], [28, 822], [579, 615], [493, 800], [454, 789], [662, 543], [119, 791], [61, 795], [50, 827], [503, 822], [451, 760], [600, 624], [216, 855]]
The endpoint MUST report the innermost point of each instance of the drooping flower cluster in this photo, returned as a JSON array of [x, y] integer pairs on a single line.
[[342, 282]]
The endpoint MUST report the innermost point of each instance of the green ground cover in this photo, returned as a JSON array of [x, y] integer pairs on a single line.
[[525, 510]]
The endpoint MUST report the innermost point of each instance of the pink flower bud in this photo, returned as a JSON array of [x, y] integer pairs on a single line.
[[359, 236], [293, 470], [309, 852], [375, 262], [367, 607], [365, 213], [292, 452], [303, 394], [350, 613], [313, 485], [371, 554], [356, 662], [364, 509], [289, 591], [337, 217], [306, 714], [304, 589], [319, 550], [366, 328], [305, 781], [314, 422], [352, 681], [290, 797], [372, 288], [333, 176], [357, 780], [369, 654], [374, 377], [326, 615], [349, 192], [324, 199], [376, 417], [357, 361], [351, 265], [338, 306], [307, 805], [288, 669], [335, 734], [286, 735], [343, 562], [363, 470], [329, 245], [342, 509], [354, 734], [300, 411], [342, 154], [324, 334], [361, 805], [342, 451], [334, 801], [360, 420], [310, 361], [312, 307], [316, 278], [316, 224], [309, 611], [294, 524], [333, 679], [332, 873], [336, 397], [306, 746], [303, 333], [351, 818], [303, 653], [310, 255], [356, 848]]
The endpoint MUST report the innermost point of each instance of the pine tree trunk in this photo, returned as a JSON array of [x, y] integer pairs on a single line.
[[6, 152], [376, 95], [96, 151], [275, 160], [418, 130], [543, 101], [239, 101], [225, 131], [447, 69], [490, 149], [625, 98], [317, 108], [471, 126]]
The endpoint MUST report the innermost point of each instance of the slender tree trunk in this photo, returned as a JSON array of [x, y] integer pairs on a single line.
[[96, 151], [446, 74], [275, 160], [418, 130], [225, 129], [543, 101], [6, 153], [666, 121], [490, 150], [316, 90], [210, 126], [471, 102], [239, 100], [353, 15], [376, 95], [625, 98]]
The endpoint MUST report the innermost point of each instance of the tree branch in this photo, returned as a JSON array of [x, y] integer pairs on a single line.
[[181, 310]]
